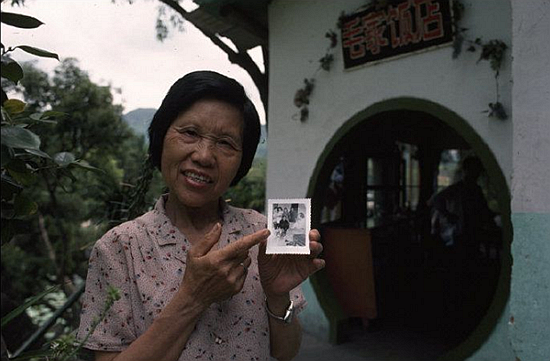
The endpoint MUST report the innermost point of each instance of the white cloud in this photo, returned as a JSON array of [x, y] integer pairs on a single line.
[[116, 44]]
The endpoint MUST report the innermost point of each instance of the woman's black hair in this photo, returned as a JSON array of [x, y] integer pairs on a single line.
[[200, 85]]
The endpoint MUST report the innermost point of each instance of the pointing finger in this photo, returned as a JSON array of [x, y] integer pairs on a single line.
[[243, 245], [210, 239]]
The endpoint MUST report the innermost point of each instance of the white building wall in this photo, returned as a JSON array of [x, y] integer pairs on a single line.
[[297, 42], [520, 144], [529, 315]]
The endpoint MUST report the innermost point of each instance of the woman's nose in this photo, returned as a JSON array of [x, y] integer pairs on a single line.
[[204, 152]]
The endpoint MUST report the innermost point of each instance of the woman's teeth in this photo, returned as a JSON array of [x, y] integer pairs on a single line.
[[197, 177]]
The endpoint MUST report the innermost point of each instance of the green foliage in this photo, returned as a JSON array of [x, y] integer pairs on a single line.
[[250, 191], [50, 206], [301, 97], [492, 51], [66, 347], [19, 310]]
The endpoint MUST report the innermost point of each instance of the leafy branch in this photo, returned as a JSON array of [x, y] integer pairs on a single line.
[[66, 346], [301, 98], [492, 51]]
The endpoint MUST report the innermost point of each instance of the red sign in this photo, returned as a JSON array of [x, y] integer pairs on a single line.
[[401, 27]]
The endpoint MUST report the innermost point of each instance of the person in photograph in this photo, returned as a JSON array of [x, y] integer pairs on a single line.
[[277, 216], [284, 223], [193, 275], [300, 224]]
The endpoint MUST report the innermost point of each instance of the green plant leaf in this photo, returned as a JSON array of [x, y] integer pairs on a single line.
[[85, 165], [14, 106], [38, 153], [6, 156], [35, 355], [24, 206], [63, 159], [31, 301], [25, 177], [20, 21], [11, 70], [37, 51], [51, 114], [39, 117], [17, 137], [9, 187], [7, 233]]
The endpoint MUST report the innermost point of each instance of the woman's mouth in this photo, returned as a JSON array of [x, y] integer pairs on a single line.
[[197, 177]]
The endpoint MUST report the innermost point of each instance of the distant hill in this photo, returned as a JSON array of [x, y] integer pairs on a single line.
[[139, 120]]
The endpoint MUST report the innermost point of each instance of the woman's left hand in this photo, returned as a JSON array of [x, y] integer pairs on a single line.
[[280, 273]]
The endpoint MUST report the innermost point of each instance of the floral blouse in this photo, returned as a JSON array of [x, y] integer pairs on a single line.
[[145, 260]]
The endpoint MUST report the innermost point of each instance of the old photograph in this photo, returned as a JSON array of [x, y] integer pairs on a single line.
[[289, 223]]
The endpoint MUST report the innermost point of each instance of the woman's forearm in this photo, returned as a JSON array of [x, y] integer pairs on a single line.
[[285, 338], [167, 336]]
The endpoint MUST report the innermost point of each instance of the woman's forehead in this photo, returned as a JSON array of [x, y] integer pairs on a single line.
[[213, 116]]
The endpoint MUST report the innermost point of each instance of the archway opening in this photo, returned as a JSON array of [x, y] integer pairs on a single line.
[[399, 282]]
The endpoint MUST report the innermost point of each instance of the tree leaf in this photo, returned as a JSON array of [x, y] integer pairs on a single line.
[[37, 51], [63, 159], [14, 106], [25, 177], [6, 156], [31, 301], [7, 233], [85, 165], [17, 137], [9, 188], [20, 21], [38, 153], [51, 114], [24, 206], [11, 70]]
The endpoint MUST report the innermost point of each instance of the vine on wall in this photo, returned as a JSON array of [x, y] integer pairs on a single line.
[[492, 51], [301, 98]]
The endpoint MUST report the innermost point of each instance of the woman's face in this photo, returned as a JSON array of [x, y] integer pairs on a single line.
[[202, 152]]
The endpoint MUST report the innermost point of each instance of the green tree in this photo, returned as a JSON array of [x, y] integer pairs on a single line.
[[73, 209], [50, 212], [250, 191]]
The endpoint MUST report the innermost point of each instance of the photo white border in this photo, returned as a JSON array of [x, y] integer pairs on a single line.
[[272, 246]]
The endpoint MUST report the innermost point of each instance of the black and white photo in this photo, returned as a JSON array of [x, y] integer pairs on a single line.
[[289, 221]]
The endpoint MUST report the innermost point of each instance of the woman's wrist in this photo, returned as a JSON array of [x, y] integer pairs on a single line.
[[187, 302], [277, 304]]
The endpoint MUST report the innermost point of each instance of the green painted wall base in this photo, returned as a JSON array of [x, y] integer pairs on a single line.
[[313, 318], [530, 288]]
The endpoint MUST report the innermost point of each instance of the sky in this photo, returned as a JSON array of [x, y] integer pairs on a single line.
[[116, 44]]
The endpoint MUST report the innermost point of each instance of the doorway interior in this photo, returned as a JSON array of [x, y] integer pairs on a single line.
[[396, 281]]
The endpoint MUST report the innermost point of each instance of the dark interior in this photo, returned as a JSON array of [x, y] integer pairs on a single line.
[[392, 277]]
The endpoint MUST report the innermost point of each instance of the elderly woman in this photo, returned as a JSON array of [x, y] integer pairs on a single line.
[[193, 275]]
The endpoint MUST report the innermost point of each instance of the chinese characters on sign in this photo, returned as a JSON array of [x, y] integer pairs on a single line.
[[402, 27]]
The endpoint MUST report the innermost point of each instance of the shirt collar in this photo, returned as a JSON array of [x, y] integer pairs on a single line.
[[165, 233]]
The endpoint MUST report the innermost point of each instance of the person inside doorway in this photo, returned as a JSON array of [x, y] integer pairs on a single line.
[[461, 220], [460, 212]]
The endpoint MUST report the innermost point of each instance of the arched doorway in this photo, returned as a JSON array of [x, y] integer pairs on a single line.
[[388, 274]]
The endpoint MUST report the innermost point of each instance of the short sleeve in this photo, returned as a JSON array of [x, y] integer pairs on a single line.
[[297, 297], [108, 266]]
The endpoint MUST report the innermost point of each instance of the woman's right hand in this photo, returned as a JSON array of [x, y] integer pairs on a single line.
[[214, 275]]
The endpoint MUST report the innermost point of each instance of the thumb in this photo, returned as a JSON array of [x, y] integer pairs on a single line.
[[209, 240]]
